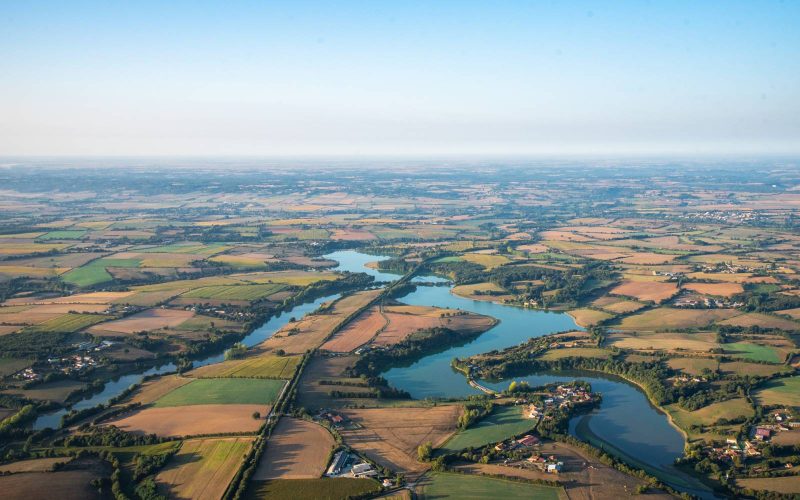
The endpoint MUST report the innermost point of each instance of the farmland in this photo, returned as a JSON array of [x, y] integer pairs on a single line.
[[203, 468], [277, 367], [198, 419], [300, 450], [504, 422], [443, 485], [222, 391], [312, 489]]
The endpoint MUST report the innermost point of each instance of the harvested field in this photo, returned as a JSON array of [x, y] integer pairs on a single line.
[[652, 291], [588, 317], [298, 449], [33, 465], [693, 366], [743, 368], [787, 485], [145, 321], [236, 292], [311, 331], [70, 485], [203, 468], [67, 322], [482, 291], [154, 389], [405, 320], [787, 438], [352, 235], [718, 289], [312, 394], [57, 391], [732, 277], [617, 305], [668, 318], [176, 421], [233, 391], [489, 262], [575, 352], [648, 258], [390, 436], [762, 321], [265, 366], [292, 278], [358, 332], [699, 342]]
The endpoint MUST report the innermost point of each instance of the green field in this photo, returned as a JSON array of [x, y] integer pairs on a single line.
[[9, 366], [782, 391], [95, 272], [68, 323], [755, 352], [223, 391], [443, 485], [311, 489], [236, 292], [503, 423], [62, 235]]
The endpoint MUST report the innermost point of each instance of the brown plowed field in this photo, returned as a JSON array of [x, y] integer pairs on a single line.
[[646, 290], [298, 449], [358, 332], [405, 320], [152, 319], [192, 420]]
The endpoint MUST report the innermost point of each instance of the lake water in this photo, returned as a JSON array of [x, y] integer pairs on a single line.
[[625, 424]]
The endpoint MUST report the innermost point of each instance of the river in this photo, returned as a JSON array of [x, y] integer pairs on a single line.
[[625, 424]]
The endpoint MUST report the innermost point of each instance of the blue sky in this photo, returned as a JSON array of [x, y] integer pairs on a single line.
[[408, 78]]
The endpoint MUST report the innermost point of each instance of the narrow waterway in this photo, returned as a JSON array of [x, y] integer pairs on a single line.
[[115, 387], [625, 424]]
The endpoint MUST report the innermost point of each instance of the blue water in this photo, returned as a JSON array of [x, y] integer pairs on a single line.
[[355, 262]]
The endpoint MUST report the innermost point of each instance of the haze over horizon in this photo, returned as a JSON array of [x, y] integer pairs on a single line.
[[417, 78]]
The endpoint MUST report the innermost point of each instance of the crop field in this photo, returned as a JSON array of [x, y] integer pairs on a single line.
[[95, 272], [203, 468], [32, 465], [193, 248], [30, 248], [336, 488], [265, 366], [755, 352], [70, 485], [66, 234], [664, 318], [789, 485], [743, 368], [178, 421], [312, 394], [357, 332], [68, 323], [405, 320], [249, 260], [311, 331], [223, 391], [616, 305], [782, 391], [700, 342], [237, 292], [718, 289], [504, 422], [588, 317], [443, 485], [710, 414], [468, 291], [9, 366], [693, 366], [763, 321], [145, 321], [149, 391], [648, 291], [575, 352], [32, 271], [488, 261], [291, 278], [57, 391], [298, 449], [732, 278], [390, 436]]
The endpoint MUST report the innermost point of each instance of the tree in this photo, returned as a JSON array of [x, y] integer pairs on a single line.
[[256, 415], [424, 451]]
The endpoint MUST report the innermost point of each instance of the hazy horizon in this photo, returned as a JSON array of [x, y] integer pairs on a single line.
[[417, 79]]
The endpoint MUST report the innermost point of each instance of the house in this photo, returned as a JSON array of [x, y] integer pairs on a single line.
[[762, 433], [528, 441], [555, 468]]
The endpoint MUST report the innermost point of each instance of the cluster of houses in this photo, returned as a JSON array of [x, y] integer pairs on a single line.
[[549, 464], [74, 363], [722, 216], [562, 397], [694, 302], [778, 421]]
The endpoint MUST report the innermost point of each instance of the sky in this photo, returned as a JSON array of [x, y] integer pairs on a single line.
[[406, 78]]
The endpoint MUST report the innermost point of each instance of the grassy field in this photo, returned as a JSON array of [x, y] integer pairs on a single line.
[[503, 423], [788, 485], [292, 278], [202, 468], [236, 292], [752, 351], [707, 415], [488, 261], [783, 391], [9, 366], [278, 367], [68, 323], [664, 318], [312, 489], [95, 272], [693, 366], [62, 235], [223, 391], [582, 352], [443, 485]]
